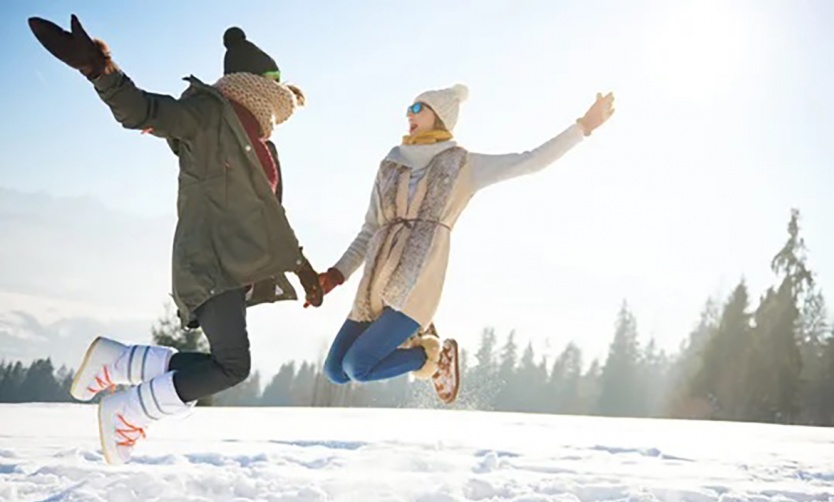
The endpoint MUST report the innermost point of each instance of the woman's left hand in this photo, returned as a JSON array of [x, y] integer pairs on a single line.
[[598, 113]]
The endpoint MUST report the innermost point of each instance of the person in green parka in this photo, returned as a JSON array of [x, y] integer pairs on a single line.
[[233, 243]]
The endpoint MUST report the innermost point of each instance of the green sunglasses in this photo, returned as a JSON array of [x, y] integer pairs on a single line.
[[273, 75]]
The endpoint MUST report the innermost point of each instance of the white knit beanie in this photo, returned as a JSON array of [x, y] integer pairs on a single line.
[[445, 103]]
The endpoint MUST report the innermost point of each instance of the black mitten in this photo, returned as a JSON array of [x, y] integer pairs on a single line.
[[310, 282], [76, 48]]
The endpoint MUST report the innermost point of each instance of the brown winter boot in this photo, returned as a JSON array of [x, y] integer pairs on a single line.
[[441, 362], [430, 343]]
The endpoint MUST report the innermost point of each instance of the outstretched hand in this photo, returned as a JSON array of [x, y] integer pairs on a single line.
[[75, 48], [598, 113]]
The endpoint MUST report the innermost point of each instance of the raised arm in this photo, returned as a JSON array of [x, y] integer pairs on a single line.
[[132, 107], [490, 169], [163, 115]]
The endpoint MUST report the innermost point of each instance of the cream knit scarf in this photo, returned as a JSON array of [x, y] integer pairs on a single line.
[[270, 102]]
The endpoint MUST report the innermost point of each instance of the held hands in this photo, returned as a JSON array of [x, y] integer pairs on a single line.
[[329, 280], [75, 48], [597, 114], [310, 282]]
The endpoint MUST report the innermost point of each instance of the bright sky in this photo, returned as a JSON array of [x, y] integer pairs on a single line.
[[723, 123]]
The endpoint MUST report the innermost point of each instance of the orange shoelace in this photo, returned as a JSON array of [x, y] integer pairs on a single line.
[[128, 440], [103, 384]]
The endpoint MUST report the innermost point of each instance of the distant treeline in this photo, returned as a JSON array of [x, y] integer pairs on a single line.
[[772, 363]]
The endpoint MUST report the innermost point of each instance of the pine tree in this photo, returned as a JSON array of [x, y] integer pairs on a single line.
[[621, 392], [590, 389], [39, 384], [4, 386], [773, 380], [541, 402], [246, 393], [680, 402], [169, 332], [66, 383], [813, 336], [303, 385], [463, 362], [565, 384], [325, 392], [482, 383], [279, 391], [790, 260], [12, 391], [825, 410], [719, 383], [656, 385], [507, 395], [529, 383]]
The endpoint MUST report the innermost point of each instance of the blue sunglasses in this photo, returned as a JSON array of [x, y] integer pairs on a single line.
[[415, 108]]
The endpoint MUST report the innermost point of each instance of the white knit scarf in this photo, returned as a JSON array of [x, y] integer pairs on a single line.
[[417, 158]]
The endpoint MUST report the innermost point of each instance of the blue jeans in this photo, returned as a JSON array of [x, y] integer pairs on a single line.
[[367, 351]]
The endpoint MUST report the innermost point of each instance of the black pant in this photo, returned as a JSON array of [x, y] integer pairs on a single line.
[[223, 320]]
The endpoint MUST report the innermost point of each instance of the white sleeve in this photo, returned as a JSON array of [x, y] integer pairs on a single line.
[[490, 169], [354, 256]]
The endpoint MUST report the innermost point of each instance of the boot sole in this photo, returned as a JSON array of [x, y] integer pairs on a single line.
[[84, 375], [110, 460], [74, 390], [457, 374], [454, 395], [101, 437]]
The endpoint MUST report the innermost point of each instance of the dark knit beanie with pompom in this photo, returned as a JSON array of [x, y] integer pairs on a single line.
[[242, 56]]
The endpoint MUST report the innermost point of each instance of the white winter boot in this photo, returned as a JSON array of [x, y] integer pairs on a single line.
[[108, 363], [124, 416]]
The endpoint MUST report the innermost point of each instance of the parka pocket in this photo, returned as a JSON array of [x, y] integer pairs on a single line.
[[242, 243]]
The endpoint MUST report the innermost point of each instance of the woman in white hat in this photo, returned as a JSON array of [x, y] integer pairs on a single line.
[[421, 188]]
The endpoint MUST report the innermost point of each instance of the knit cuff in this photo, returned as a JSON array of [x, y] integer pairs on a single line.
[[344, 267]]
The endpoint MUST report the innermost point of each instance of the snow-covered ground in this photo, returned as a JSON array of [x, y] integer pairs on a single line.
[[51, 452]]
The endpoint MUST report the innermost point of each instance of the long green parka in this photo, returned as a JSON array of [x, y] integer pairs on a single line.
[[232, 230]]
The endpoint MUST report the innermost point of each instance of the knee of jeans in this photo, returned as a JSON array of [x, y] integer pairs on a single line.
[[236, 366], [335, 373], [356, 366]]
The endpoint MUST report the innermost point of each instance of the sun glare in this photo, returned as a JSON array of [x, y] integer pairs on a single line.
[[695, 49]]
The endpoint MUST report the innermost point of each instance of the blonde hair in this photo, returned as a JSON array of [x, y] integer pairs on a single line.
[[438, 123]]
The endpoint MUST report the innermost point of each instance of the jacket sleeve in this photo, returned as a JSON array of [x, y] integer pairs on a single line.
[[354, 256], [135, 108], [490, 169]]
